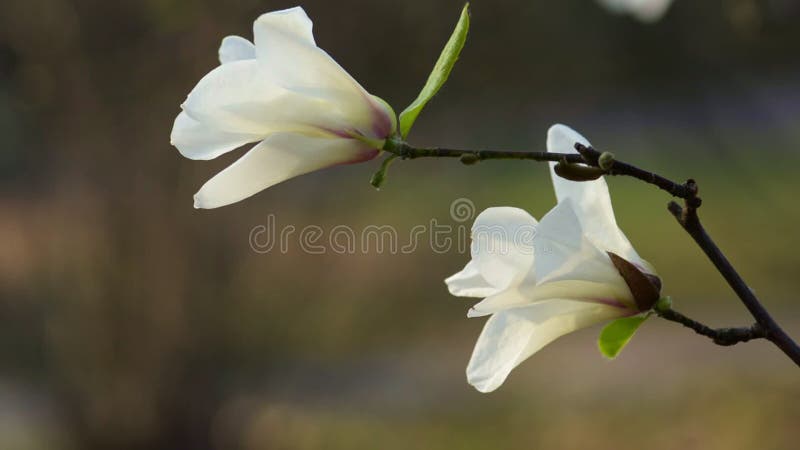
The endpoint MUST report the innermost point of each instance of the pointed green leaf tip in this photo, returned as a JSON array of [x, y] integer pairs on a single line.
[[615, 335], [439, 74]]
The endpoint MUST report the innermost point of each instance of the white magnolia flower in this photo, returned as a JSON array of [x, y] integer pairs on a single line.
[[644, 10], [287, 94], [543, 280]]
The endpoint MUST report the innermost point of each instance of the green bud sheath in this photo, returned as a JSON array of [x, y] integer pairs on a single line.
[[606, 160], [469, 159]]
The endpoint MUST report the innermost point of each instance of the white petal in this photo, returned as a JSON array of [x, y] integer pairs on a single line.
[[650, 10], [469, 283], [197, 141], [512, 336], [293, 22], [566, 265], [236, 48], [615, 294], [506, 299], [590, 199], [279, 157], [502, 245], [285, 43], [645, 10], [564, 253], [238, 97], [285, 46]]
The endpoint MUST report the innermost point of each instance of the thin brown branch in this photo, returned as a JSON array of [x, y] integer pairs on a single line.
[[592, 156], [405, 151], [720, 336], [687, 217]]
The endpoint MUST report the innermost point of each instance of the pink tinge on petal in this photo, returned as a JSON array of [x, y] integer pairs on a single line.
[[612, 302], [382, 123], [382, 127], [364, 155], [347, 134]]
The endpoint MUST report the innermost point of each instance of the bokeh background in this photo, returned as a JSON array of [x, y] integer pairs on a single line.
[[130, 320]]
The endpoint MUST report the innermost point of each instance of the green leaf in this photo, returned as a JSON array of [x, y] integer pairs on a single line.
[[615, 335], [439, 73]]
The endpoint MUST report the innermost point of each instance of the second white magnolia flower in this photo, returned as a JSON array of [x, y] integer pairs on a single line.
[[287, 94], [542, 280], [647, 11]]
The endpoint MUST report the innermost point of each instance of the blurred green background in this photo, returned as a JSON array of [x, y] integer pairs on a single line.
[[130, 320]]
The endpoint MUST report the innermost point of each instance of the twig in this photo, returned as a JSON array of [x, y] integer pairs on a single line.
[[720, 336], [405, 151], [585, 155], [624, 169], [687, 217]]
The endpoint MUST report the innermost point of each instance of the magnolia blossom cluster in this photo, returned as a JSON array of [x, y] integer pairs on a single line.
[[561, 281], [287, 94], [306, 113]]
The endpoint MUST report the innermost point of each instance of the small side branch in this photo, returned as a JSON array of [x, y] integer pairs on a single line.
[[688, 219], [720, 336]]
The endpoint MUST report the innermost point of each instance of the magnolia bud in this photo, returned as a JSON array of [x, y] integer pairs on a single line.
[[606, 160], [663, 304], [577, 172], [469, 159]]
